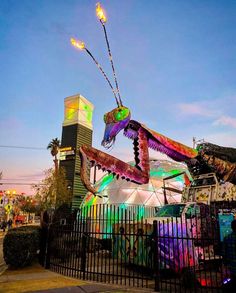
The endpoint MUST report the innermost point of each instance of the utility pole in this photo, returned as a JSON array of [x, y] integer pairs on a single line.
[[195, 141]]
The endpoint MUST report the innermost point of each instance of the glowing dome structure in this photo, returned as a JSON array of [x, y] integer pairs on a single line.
[[120, 192]]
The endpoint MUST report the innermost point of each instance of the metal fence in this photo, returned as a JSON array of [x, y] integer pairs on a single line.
[[127, 246]]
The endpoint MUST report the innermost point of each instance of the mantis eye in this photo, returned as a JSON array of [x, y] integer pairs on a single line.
[[121, 113], [105, 118]]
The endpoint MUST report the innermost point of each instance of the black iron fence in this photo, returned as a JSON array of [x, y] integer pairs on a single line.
[[129, 246]]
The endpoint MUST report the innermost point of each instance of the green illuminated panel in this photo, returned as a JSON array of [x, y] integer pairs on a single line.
[[78, 110]]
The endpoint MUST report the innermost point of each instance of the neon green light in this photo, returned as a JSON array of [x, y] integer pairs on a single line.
[[121, 113], [140, 213], [162, 173], [89, 113], [105, 181]]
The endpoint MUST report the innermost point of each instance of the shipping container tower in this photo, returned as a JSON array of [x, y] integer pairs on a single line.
[[77, 130]]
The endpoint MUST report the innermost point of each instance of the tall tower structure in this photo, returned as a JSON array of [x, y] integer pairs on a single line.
[[77, 130]]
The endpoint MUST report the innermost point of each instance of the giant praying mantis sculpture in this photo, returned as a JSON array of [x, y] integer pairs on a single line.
[[206, 158]]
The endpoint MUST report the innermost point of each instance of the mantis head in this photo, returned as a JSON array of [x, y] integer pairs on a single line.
[[115, 121]]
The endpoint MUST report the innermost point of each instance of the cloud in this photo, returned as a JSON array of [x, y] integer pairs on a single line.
[[206, 109], [33, 176], [226, 139], [226, 121], [198, 109]]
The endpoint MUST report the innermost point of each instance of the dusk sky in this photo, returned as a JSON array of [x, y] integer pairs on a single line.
[[175, 62]]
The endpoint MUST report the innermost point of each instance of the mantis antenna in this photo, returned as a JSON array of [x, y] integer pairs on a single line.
[[102, 18], [81, 45]]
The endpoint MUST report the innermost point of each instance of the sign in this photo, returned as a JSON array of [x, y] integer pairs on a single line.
[[64, 149], [66, 153], [8, 208]]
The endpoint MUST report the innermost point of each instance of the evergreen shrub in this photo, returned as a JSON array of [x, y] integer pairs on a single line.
[[20, 246]]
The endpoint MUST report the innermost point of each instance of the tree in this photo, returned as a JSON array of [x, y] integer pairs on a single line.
[[54, 146], [26, 204], [53, 190]]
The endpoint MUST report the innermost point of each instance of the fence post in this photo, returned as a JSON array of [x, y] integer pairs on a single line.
[[83, 254], [47, 251], [156, 257]]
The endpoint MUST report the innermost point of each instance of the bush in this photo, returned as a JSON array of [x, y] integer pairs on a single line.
[[20, 246]]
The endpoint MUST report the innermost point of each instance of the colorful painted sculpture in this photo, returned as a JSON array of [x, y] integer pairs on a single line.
[[206, 158], [203, 160]]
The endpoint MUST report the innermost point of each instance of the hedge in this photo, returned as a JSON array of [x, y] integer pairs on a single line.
[[20, 246]]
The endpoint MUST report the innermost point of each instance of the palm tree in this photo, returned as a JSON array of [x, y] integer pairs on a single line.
[[54, 146]]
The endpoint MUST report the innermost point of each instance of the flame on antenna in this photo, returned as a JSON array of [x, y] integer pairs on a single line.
[[100, 13], [77, 44]]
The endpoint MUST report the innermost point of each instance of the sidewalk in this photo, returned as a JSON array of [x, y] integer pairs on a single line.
[[37, 279]]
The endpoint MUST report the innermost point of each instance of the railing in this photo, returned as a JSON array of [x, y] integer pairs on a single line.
[[123, 246]]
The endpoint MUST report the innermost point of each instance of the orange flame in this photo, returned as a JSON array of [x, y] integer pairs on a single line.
[[100, 13], [77, 44]]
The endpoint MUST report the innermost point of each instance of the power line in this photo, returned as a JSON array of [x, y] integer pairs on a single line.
[[19, 183], [15, 179], [22, 147]]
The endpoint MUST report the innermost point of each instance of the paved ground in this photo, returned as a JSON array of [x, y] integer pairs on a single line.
[[37, 279]]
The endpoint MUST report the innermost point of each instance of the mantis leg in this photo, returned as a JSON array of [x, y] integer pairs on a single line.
[[138, 173]]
